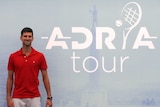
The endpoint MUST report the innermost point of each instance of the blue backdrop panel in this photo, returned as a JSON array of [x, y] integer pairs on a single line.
[[100, 53]]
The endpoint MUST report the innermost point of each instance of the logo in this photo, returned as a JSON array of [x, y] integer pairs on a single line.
[[131, 16]]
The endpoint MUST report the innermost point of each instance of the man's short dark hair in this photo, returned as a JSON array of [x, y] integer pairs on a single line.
[[26, 29]]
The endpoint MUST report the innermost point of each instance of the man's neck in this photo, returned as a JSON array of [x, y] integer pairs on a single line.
[[26, 50]]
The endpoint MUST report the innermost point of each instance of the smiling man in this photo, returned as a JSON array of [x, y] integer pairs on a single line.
[[23, 69]]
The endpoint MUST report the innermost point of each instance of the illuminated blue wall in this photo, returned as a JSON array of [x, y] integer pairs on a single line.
[[100, 53]]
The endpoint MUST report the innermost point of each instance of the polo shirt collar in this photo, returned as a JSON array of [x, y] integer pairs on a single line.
[[33, 51]]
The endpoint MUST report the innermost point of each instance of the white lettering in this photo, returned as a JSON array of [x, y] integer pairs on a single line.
[[57, 34], [108, 40], [87, 34], [78, 63], [143, 34]]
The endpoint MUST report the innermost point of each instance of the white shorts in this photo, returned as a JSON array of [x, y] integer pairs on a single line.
[[27, 102]]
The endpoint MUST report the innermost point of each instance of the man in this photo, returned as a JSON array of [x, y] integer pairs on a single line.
[[23, 70]]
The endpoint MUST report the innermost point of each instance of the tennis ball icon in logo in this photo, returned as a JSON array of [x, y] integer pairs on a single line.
[[119, 23]]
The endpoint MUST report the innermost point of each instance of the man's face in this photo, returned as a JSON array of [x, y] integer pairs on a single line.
[[27, 38]]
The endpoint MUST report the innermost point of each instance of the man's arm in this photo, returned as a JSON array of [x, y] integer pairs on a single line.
[[47, 86], [46, 82], [9, 87]]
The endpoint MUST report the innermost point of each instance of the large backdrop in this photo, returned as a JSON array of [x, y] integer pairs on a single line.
[[100, 53]]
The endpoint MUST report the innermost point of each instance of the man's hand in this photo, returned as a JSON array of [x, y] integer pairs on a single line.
[[10, 103], [49, 103]]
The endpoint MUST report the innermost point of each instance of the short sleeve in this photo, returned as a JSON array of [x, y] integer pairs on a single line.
[[43, 64], [10, 63]]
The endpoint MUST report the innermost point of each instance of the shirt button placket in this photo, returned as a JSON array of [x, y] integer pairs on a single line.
[[25, 57]]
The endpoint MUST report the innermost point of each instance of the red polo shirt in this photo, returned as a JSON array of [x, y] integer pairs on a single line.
[[26, 70]]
